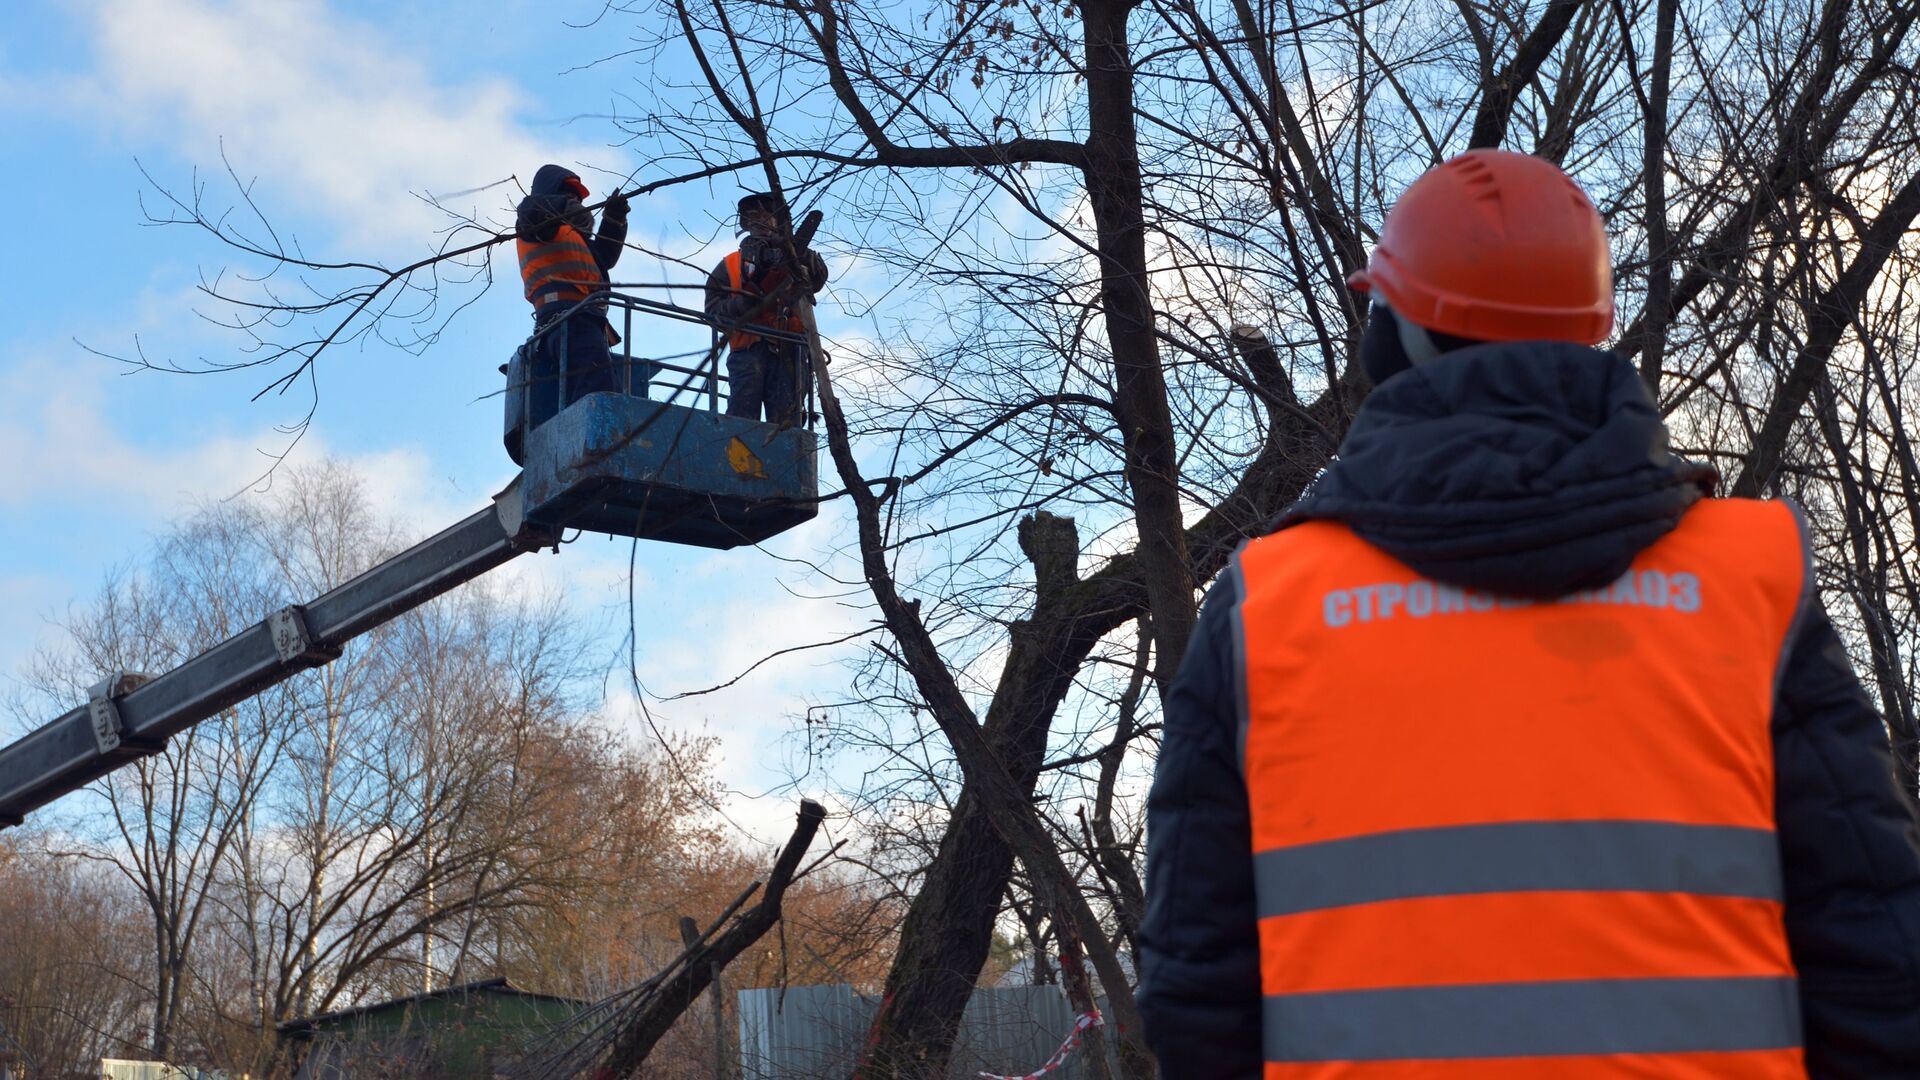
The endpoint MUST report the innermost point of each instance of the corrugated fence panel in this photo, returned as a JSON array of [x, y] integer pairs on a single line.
[[815, 1033], [801, 1032], [128, 1069]]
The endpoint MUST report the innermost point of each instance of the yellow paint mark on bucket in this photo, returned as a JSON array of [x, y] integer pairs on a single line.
[[743, 461]]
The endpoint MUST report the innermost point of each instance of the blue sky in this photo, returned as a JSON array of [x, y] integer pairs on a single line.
[[335, 110]]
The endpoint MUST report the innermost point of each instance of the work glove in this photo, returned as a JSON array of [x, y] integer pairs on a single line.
[[616, 205], [806, 269], [773, 279], [778, 275]]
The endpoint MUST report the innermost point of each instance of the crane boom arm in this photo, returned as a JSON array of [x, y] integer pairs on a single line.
[[131, 716]]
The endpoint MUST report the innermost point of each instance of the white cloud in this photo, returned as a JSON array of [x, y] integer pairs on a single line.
[[324, 108], [63, 448], [83, 493]]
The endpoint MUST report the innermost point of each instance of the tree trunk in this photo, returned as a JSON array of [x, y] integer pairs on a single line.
[[1140, 389], [948, 932], [1653, 166], [162, 995], [641, 1027]]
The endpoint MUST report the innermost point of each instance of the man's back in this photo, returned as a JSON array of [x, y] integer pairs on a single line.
[[1518, 716], [1540, 827]]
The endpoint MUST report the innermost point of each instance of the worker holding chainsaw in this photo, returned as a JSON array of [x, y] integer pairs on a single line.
[[1509, 752], [757, 286]]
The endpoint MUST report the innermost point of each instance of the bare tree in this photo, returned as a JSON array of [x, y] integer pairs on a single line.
[[347, 832], [70, 956], [171, 819]]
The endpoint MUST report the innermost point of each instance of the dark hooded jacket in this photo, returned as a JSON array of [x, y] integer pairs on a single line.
[[549, 204], [1534, 469]]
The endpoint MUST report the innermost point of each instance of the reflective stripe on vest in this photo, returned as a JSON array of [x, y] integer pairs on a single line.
[[1497, 838], [736, 279], [561, 271]]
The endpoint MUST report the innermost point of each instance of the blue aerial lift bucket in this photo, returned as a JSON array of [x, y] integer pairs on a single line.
[[614, 463], [678, 470]]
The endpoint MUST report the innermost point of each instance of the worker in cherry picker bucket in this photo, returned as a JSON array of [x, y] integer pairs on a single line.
[[757, 286], [564, 267], [1509, 751]]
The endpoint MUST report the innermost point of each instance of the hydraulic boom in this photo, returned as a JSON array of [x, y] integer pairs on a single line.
[[131, 715]]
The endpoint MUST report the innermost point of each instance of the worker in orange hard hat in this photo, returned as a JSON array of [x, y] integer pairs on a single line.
[[1509, 752], [1492, 246]]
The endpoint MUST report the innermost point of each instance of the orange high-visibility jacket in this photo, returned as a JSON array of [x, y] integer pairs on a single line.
[[561, 272], [1499, 838], [736, 279]]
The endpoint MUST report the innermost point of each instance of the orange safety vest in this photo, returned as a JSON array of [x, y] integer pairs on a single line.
[[736, 279], [1496, 838], [562, 271]]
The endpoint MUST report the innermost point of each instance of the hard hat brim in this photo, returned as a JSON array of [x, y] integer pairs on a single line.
[[1464, 315]]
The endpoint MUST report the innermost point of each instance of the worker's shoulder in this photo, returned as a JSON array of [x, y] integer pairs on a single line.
[[1290, 536], [1729, 509], [1755, 544], [1751, 527]]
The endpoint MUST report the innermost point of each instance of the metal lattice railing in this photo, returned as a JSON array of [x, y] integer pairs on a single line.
[[696, 384]]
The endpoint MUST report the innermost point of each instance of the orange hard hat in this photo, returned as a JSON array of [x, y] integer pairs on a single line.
[[1495, 246]]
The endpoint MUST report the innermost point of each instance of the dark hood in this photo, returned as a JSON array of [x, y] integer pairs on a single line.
[[548, 204], [548, 180], [1523, 468]]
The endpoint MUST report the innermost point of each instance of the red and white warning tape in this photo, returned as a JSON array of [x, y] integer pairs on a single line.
[[1081, 1026]]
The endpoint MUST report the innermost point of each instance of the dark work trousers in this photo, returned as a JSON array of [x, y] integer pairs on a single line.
[[582, 341], [764, 375]]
